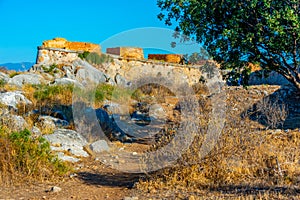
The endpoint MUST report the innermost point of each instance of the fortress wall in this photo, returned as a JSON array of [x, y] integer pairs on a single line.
[[127, 52], [171, 58], [62, 43], [50, 56], [59, 50]]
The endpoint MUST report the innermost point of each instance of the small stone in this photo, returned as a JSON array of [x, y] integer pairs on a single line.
[[99, 146], [131, 198], [191, 197], [134, 153], [73, 175], [55, 189], [121, 161], [64, 157]]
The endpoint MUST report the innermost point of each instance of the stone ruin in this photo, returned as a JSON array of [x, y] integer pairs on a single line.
[[171, 58], [127, 52], [61, 43], [59, 51]]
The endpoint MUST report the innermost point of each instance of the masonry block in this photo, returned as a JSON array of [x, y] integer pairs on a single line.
[[127, 52], [171, 58]]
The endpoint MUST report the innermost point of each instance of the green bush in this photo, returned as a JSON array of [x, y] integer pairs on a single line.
[[2, 83], [28, 156], [50, 69], [95, 58]]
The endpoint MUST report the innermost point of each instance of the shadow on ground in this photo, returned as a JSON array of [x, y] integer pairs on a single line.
[[125, 180], [279, 110]]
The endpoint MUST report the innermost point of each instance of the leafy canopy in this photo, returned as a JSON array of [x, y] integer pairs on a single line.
[[236, 33]]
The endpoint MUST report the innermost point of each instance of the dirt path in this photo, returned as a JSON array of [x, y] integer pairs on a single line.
[[92, 181]]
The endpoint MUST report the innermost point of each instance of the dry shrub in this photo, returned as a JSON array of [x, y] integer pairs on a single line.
[[271, 112], [242, 156]]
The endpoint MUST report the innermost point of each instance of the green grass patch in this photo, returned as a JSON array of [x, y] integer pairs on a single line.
[[95, 58], [46, 92], [13, 74]]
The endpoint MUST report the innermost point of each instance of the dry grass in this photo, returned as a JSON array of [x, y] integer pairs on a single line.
[[27, 158], [243, 157]]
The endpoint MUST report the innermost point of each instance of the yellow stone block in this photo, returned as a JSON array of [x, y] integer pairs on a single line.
[[171, 58], [127, 52]]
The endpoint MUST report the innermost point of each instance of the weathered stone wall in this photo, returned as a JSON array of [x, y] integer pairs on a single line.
[[171, 58], [59, 50], [62, 43], [127, 52], [133, 70], [50, 56]]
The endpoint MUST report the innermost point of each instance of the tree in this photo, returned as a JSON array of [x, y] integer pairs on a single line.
[[236, 33], [198, 57]]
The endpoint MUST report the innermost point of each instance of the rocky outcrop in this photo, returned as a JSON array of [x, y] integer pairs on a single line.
[[99, 146], [87, 74], [63, 140], [31, 78], [13, 99]]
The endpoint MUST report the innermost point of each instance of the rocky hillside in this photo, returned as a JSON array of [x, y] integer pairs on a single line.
[[115, 110], [57, 70]]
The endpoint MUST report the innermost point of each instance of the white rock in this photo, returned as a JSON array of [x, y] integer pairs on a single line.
[[78, 152], [88, 73], [67, 140], [131, 198], [36, 131], [52, 120], [55, 189], [66, 81], [22, 79], [63, 157], [99, 146], [13, 99]]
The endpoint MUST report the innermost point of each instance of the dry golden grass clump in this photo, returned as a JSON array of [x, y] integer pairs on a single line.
[[244, 156]]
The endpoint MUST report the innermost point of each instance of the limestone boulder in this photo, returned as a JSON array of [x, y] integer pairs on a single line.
[[31, 78], [66, 81], [67, 140], [49, 122], [99, 146], [87, 73], [13, 99]]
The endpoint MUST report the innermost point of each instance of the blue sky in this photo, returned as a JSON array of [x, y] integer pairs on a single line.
[[26, 23]]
